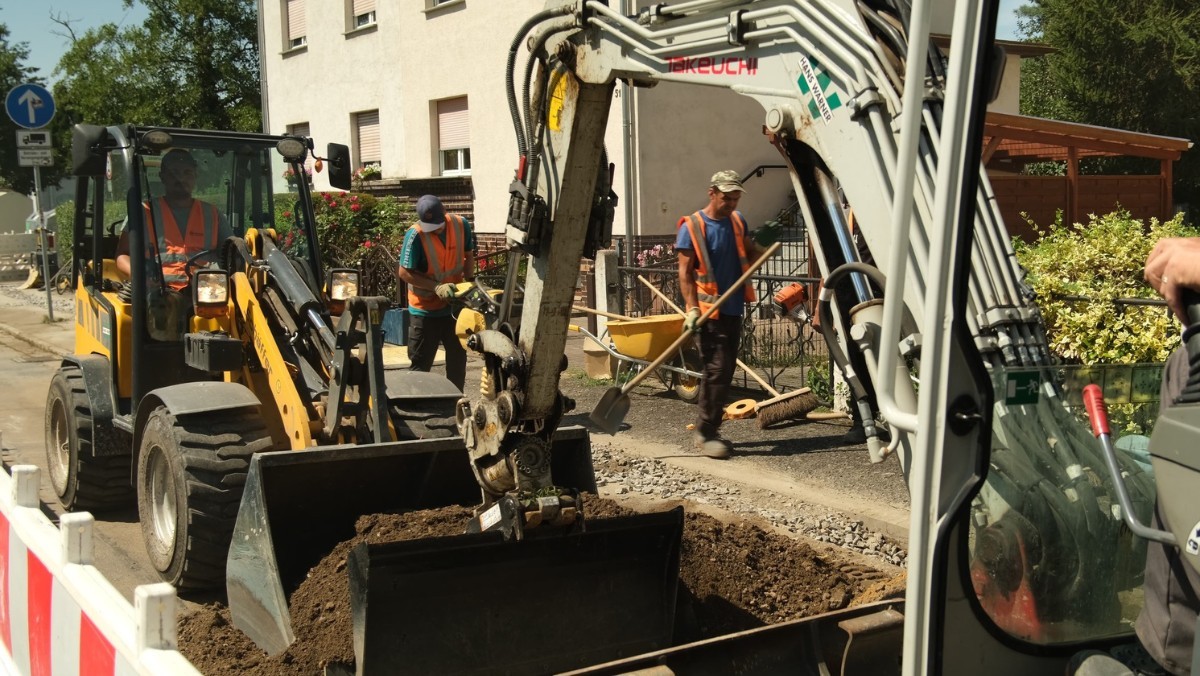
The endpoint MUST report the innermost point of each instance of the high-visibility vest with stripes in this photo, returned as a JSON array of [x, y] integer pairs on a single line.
[[177, 244], [443, 262], [707, 292]]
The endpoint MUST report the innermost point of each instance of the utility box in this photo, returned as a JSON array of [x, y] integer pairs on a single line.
[[395, 326]]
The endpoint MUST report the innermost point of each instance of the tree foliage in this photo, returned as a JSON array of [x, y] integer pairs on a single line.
[[1101, 261], [191, 63], [1129, 65], [13, 72]]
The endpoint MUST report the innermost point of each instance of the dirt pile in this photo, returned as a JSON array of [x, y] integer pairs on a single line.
[[733, 576]]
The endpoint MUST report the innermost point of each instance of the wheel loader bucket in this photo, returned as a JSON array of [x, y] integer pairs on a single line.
[[298, 505], [475, 604]]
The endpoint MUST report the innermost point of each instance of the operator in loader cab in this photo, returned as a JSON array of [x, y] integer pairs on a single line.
[[438, 253], [177, 227], [183, 226]]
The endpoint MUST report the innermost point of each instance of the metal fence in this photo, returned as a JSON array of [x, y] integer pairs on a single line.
[[789, 354]]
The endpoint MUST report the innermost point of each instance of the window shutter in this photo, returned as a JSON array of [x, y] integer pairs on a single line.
[[363, 6], [368, 137], [296, 25], [453, 131]]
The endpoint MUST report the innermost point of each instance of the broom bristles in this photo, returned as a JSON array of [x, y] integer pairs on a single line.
[[786, 407]]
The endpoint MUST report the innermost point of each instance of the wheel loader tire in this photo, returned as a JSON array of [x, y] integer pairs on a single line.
[[428, 419], [191, 474], [81, 479]]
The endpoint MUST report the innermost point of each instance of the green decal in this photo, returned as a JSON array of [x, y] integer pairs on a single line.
[[1022, 388], [815, 83]]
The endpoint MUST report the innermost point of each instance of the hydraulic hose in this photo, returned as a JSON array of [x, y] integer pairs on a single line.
[[509, 83]]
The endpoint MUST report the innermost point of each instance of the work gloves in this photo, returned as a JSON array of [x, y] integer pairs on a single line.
[[691, 320], [446, 291], [768, 234]]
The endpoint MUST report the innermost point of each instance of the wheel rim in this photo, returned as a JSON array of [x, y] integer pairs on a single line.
[[58, 453], [162, 504]]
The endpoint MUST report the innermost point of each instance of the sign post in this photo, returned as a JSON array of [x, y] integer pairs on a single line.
[[31, 106]]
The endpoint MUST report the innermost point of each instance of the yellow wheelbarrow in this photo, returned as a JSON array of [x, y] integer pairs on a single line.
[[635, 342]]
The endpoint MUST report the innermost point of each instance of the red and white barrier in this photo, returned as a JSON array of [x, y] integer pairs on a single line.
[[58, 615]]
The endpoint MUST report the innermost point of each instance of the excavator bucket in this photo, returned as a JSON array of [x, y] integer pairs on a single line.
[[475, 604], [297, 505]]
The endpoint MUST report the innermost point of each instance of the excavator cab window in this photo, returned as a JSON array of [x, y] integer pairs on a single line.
[[1053, 566]]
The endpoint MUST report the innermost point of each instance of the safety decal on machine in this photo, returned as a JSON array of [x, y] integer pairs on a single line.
[[815, 82], [1193, 542]]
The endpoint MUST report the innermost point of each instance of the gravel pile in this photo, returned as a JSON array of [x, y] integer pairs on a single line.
[[623, 473], [64, 304]]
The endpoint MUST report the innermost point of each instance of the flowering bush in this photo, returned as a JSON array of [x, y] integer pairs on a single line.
[[656, 255], [369, 172], [355, 231], [290, 174]]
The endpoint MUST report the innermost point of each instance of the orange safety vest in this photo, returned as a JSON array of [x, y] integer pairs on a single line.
[[444, 262], [177, 245], [707, 292]]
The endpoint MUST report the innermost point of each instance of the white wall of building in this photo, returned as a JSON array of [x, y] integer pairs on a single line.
[[414, 56]]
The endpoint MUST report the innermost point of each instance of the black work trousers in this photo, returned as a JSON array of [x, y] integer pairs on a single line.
[[425, 335], [719, 340]]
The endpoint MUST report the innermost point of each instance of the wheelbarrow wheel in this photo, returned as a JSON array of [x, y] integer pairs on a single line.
[[687, 387]]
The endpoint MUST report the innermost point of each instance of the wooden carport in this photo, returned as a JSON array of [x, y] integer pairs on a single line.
[[1012, 141]]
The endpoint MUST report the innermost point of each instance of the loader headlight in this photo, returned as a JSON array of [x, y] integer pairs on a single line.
[[210, 292], [343, 285]]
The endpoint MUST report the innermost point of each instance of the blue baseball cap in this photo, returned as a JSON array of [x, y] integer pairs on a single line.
[[431, 215]]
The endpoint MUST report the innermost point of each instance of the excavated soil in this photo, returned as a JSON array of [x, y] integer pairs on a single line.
[[734, 575]]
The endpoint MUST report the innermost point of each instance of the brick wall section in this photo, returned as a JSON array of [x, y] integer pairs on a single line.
[[456, 192]]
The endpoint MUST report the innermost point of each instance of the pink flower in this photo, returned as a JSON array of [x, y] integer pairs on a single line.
[[355, 207], [287, 214], [354, 198], [367, 244], [332, 203]]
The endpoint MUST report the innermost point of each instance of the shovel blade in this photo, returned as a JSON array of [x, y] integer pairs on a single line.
[[610, 411]]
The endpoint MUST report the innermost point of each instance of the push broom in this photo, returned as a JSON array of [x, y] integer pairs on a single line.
[[779, 407]]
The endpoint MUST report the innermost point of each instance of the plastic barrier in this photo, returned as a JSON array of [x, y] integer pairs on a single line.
[[58, 614]]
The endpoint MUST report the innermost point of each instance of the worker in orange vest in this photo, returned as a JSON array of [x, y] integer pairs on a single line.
[[714, 248], [178, 226], [437, 253], [187, 226]]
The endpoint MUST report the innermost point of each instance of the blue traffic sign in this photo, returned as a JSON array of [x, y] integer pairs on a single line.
[[30, 106]]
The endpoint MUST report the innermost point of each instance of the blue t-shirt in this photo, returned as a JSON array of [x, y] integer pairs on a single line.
[[723, 253], [412, 256]]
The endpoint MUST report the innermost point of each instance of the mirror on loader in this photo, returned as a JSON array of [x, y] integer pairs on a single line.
[[89, 150], [339, 165]]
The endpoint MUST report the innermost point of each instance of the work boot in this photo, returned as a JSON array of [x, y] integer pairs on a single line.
[[712, 447], [854, 436]]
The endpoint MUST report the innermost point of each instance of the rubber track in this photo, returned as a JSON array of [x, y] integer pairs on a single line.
[[102, 481], [216, 450]]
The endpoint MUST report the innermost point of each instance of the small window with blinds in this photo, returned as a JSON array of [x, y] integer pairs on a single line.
[[454, 137], [362, 14], [366, 137], [296, 29]]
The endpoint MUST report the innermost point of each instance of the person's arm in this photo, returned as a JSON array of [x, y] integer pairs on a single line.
[[407, 269], [687, 278], [1172, 266], [122, 253]]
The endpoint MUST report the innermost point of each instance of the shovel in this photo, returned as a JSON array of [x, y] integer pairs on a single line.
[[611, 409]]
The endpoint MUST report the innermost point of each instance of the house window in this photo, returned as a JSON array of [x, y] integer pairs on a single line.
[[362, 13], [454, 137], [297, 30], [366, 135], [302, 129]]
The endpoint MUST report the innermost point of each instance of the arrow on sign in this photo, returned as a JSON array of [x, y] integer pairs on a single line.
[[33, 102]]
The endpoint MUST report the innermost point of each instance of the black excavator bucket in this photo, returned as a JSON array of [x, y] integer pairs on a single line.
[[475, 604], [298, 505]]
